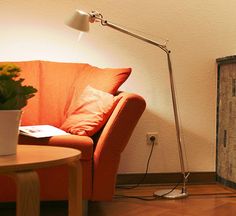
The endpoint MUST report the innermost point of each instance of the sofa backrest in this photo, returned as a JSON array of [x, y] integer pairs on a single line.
[[56, 82]]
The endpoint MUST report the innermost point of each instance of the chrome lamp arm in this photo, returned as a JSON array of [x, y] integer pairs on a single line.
[[96, 16], [80, 21]]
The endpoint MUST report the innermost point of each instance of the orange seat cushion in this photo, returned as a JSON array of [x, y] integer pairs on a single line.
[[82, 143]]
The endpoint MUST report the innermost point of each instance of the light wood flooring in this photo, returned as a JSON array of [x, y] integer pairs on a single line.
[[203, 200]]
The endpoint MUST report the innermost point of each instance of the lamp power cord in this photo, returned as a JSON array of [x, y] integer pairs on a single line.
[[152, 139], [148, 197]]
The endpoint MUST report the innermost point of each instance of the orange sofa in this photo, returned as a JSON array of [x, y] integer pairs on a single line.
[[56, 83]]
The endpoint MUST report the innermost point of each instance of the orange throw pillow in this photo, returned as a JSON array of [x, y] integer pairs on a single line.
[[89, 111]]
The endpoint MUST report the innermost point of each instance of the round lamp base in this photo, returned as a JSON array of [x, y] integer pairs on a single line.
[[175, 194]]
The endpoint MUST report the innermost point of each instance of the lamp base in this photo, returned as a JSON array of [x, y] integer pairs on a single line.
[[175, 194]]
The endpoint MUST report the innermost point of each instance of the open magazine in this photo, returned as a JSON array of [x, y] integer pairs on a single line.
[[40, 131]]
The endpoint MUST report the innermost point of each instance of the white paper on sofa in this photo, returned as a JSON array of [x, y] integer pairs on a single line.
[[40, 131]]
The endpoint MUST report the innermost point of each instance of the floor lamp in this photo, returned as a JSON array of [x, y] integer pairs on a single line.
[[80, 21]]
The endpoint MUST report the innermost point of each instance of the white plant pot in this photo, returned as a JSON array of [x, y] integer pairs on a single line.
[[9, 131]]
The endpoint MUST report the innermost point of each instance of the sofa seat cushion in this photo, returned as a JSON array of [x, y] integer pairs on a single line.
[[82, 143]]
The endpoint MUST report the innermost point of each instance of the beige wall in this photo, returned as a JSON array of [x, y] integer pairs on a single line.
[[198, 32]]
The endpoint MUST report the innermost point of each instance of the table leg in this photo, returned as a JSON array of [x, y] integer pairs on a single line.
[[28, 199], [75, 189]]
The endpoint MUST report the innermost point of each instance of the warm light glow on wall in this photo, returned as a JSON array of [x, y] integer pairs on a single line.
[[198, 34]]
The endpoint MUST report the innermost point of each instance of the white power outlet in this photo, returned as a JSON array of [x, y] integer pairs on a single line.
[[151, 137]]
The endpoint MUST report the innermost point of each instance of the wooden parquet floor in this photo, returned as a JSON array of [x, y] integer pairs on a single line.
[[203, 200]]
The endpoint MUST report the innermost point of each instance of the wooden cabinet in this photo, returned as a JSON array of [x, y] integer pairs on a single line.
[[226, 121]]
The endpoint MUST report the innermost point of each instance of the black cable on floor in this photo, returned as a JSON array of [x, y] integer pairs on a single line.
[[146, 171], [146, 198]]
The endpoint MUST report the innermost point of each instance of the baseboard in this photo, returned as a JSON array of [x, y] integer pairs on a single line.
[[225, 182], [166, 178]]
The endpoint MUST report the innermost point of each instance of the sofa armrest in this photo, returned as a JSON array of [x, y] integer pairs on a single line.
[[112, 142]]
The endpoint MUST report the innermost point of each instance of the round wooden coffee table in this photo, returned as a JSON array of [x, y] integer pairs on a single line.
[[22, 166]]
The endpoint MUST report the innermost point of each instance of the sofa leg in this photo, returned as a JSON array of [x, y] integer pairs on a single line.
[[85, 208]]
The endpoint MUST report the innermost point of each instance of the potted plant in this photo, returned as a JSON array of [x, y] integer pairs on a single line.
[[13, 97]]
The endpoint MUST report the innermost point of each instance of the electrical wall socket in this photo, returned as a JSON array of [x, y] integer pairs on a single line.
[[150, 136]]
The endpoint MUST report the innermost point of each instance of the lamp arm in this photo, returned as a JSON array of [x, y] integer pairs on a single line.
[[98, 17], [118, 28], [177, 125], [164, 48]]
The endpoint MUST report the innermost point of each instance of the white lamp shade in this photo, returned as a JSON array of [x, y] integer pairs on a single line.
[[79, 21]]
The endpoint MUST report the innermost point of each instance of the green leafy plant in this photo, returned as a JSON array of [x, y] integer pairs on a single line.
[[13, 94]]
